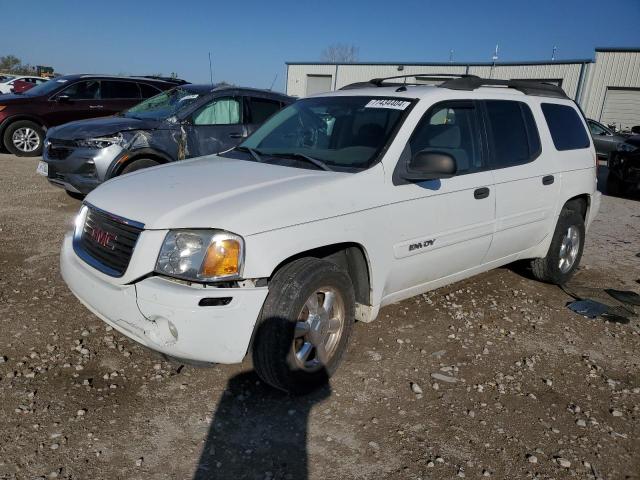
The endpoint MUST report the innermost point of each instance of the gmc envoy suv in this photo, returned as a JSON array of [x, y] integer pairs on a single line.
[[336, 206]]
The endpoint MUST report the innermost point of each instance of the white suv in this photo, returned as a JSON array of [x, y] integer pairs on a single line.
[[338, 205]]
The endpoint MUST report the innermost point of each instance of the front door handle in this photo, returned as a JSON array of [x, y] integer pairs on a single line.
[[236, 135], [481, 193], [548, 180], [95, 106]]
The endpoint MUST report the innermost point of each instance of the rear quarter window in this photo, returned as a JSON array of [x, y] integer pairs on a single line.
[[567, 130]]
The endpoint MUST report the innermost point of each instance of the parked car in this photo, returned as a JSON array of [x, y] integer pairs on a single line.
[[7, 84], [22, 85], [624, 168], [25, 118], [336, 206], [605, 140], [188, 121]]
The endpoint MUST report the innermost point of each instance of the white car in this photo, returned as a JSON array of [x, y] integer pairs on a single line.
[[7, 81], [338, 205]]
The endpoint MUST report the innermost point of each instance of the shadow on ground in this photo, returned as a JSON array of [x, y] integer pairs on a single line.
[[258, 433]]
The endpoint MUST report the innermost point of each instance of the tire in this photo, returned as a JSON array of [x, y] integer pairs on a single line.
[[138, 164], [280, 344], [24, 138], [76, 195], [550, 269]]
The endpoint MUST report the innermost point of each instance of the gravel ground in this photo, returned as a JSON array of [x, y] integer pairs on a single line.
[[492, 376]]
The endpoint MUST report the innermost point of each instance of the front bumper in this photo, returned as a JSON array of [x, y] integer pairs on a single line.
[[165, 315], [76, 169]]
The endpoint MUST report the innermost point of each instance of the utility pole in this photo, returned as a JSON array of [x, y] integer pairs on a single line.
[[553, 54], [210, 70], [451, 56], [495, 59]]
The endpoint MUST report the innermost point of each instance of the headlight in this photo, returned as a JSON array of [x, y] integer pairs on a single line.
[[201, 255], [626, 147], [100, 142]]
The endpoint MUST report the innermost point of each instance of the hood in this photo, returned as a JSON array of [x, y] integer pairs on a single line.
[[99, 127], [13, 99], [239, 196]]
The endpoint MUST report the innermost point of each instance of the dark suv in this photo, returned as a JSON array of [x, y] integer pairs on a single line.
[[188, 121], [24, 118]]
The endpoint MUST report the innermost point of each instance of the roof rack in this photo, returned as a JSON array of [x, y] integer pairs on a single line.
[[528, 87], [177, 81], [383, 82], [468, 82]]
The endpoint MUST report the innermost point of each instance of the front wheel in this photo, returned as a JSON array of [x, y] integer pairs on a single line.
[[24, 138], [565, 251], [138, 164], [305, 325]]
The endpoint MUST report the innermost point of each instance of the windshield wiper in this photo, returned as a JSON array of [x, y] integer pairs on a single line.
[[254, 153], [318, 163]]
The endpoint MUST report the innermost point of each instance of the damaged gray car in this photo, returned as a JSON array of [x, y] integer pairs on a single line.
[[187, 121]]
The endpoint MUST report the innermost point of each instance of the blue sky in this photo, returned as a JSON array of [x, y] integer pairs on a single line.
[[250, 40]]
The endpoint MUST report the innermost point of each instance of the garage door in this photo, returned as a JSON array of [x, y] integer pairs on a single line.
[[318, 84], [622, 107]]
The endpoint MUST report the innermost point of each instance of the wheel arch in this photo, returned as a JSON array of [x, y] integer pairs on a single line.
[[19, 117], [126, 158], [350, 256], [580, 204]]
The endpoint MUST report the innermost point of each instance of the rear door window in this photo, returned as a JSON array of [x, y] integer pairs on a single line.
[[567, 130], [261, 109], [112, 90], [514, 138], [148, 91]]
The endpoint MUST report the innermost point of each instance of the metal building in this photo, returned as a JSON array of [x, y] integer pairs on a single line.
[[607, 88]]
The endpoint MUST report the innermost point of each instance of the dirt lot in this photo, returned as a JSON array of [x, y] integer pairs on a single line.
[[514, 385]]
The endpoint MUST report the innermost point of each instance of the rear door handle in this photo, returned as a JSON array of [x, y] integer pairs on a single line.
[[481, 193], [96, 106], [548, 180]]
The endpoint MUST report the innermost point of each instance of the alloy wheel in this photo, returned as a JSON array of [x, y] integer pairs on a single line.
[[569, 248], [26, 139]]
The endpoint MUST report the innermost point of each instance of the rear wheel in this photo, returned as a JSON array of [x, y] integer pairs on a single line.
[[138, 164], [565, 251], [24, 138], [305, 325]]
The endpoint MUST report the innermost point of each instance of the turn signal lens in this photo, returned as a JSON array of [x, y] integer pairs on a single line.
[[2, 107], [222, 259]]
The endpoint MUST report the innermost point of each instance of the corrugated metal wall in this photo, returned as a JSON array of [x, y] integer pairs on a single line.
[[611, 69], [585, 81], [345, 74]]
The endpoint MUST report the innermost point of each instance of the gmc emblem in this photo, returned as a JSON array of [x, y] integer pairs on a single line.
[[103, 238]]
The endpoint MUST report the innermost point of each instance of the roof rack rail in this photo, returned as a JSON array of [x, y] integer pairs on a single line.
[[382, 82], [528, 87], [469, 82], [177, 81]]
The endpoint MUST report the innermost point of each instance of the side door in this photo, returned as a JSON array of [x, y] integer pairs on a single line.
[[527, 179], [118, 95], [441, 227], [216, 127], [258, 110], [78, 101]]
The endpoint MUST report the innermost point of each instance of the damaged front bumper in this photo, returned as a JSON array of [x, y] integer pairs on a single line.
[[78, 169], [166, 316]]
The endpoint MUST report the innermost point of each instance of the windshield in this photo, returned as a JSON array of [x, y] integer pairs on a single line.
[[163, 105], [47, 87], [345, 132]]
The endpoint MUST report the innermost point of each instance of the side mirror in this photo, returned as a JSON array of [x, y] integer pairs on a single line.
[[430, 165]]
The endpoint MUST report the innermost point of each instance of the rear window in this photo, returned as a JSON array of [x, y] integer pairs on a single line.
[[513, 132], [119, 90], [147, 90], [261, 109], [567, 130]]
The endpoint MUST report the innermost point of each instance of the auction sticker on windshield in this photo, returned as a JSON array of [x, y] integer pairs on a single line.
[[388, 103], [43, 168]]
